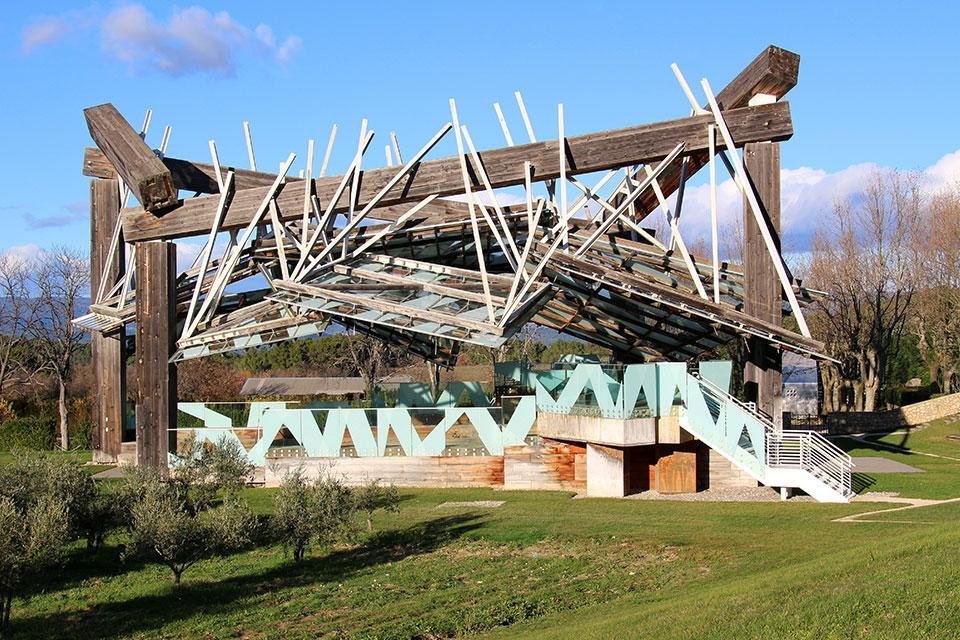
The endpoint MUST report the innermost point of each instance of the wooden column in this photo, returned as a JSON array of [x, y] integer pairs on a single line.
[[156, 325], [762, 376], [109, 359]]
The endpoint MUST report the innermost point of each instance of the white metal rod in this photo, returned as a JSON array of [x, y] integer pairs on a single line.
[[697, 109], [326, 155], [473, 212], [626, 203], [249, 140], [715, 244], [513, 255], [503, 124], [215, 158], [279, 233], [747, 189], [322, 222], [564, 214], [393, 226], [407, 168], [526, 118], [523, 260], [227, 266], [396, 147], [205, 255], [307, 191]]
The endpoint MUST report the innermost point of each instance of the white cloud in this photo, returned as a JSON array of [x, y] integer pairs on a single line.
[[807, 194], [288, 49], [191, 40], [44, 31], [24, 253]]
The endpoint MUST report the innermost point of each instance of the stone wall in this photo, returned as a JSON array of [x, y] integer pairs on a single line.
[[545, 465], [908, 416]]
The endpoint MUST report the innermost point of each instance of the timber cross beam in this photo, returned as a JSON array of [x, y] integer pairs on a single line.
[[434, 252]]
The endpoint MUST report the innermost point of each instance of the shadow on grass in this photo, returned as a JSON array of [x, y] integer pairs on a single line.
[[860, 482], [144, 614], [872, 442]]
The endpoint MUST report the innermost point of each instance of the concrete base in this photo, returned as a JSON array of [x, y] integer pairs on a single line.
[[607, 431], [726, 475], [605, 472]]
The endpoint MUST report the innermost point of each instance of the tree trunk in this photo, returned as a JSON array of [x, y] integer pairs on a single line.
[[857, 395], [62, 409], [871, 379], [176, 577]]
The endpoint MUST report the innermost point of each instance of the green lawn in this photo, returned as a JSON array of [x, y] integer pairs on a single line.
[[942, 475], [543, 565], [546, 565]]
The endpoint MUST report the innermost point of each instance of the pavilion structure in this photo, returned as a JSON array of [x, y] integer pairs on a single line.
[[434, 252]]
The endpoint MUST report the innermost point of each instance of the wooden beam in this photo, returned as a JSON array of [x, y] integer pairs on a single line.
[[148, 178], [774, 72], [156, 327], [763, 295], [504, 167], [199, 177], [107, 352]]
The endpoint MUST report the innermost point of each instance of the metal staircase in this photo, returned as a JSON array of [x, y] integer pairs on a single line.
[[796, 459]]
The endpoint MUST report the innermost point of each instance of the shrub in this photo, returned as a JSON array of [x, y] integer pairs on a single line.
[[32, 432], [31, 541], [311, 512], [373, 497], [166, 527], [205, 471], [32, 477]]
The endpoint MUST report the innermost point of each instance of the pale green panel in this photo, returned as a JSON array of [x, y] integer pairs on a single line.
[[450, 396], [671, 377], [414, 394], [718, 372], [211, 419]]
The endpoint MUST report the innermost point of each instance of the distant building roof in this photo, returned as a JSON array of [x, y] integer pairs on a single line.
[[328, 386]]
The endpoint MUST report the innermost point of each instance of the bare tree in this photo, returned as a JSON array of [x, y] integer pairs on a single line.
[[17, 317], [372, 359], [936, 316], [865, 257], [61, 276]]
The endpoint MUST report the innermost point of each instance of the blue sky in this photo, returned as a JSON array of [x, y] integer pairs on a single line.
[[878, 83]]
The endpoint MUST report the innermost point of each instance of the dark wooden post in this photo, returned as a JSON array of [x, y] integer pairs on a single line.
[[109, 361], [762, 376], [156, 325]]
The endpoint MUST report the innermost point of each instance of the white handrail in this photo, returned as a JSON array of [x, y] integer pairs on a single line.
[[806, 450]]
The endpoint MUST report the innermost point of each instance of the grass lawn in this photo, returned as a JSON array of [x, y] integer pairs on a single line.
[[542, 565], [942, 475], [546, 565], [83, 457]]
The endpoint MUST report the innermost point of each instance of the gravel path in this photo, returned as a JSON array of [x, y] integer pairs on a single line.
[[738, 494]]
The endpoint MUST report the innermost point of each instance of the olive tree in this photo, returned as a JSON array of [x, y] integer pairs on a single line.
[[373, 497], [311, 512], [165, 525], [31, 541], [31, 477], [205, 471]]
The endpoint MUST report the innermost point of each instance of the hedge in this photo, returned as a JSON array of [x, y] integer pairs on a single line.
[[32, 432]]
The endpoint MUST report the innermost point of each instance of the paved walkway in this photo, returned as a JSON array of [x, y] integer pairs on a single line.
[[872, 464], [911, 503], [112, 472]]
